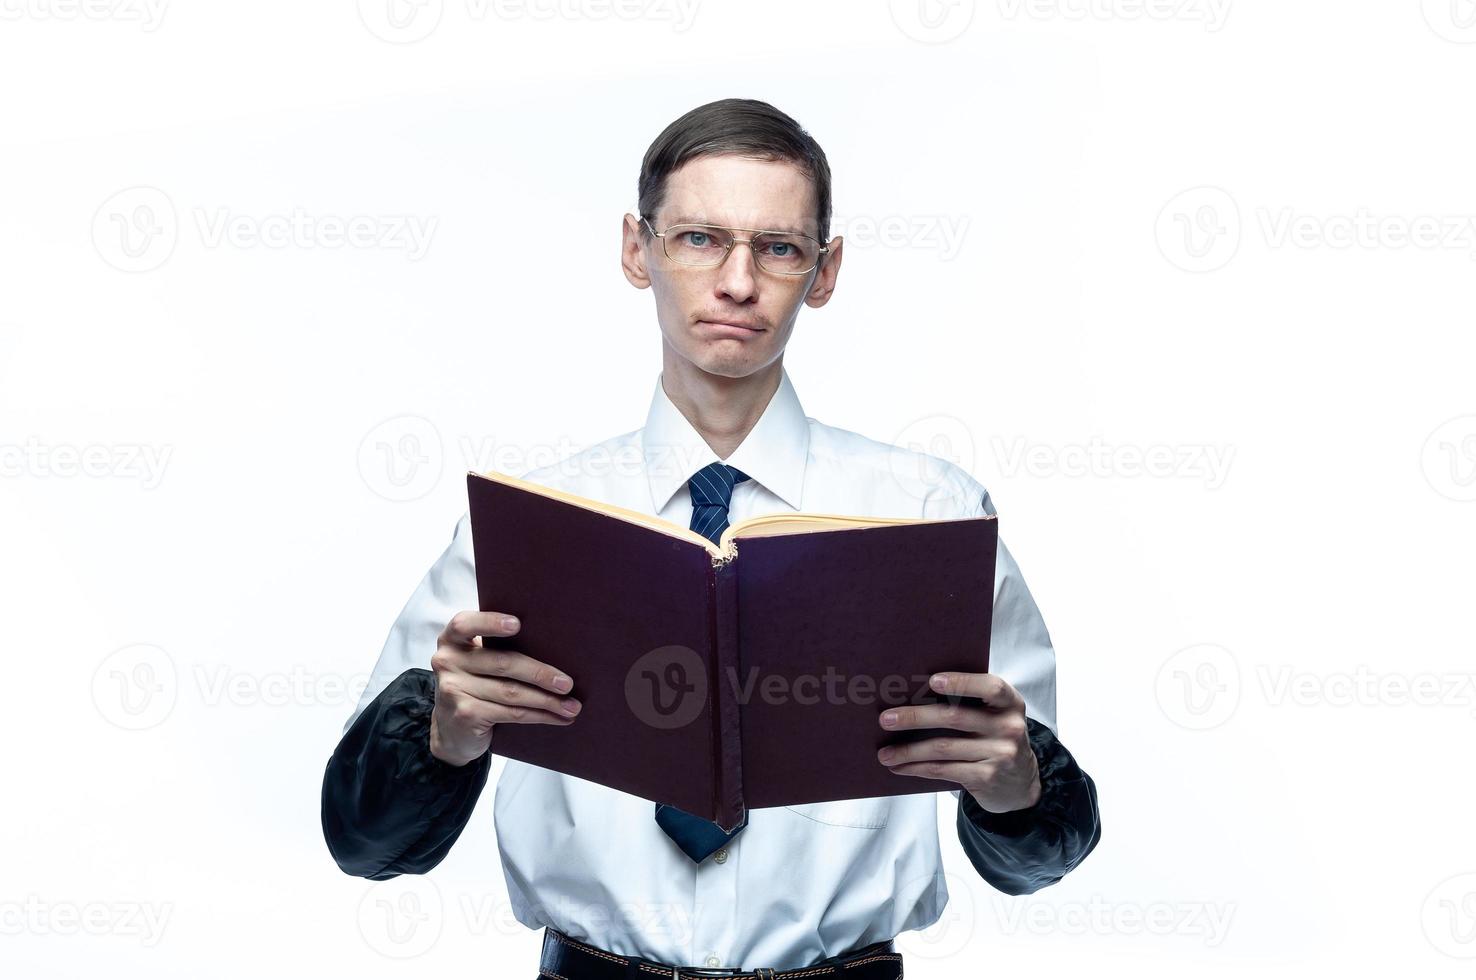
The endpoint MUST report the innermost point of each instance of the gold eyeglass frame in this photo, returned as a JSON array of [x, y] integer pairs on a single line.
[[819, 259]]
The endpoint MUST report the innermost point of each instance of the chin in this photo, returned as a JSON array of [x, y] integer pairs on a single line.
[[725, 365], [727, 369]]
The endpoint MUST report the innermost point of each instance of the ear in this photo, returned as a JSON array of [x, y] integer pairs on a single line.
[[633, 245], [824, 284]]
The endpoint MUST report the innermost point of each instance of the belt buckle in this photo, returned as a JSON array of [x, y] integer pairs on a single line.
[[678, 972]]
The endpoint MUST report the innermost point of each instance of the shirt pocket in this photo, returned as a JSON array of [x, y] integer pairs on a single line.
[[869, 813]]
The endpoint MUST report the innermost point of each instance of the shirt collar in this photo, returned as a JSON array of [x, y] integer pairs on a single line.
[[773, 452]]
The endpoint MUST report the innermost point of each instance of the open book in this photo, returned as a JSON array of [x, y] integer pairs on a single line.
[[748, 673]]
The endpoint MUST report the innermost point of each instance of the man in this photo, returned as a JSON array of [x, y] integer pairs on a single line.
[[734, 201]]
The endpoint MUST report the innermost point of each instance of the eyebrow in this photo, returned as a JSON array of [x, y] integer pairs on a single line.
[[685, 219]]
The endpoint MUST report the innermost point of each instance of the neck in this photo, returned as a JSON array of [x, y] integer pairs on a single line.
[[723, 410]]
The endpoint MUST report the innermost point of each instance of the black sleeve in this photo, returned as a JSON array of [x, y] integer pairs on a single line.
[[1023, 851], [389, 806]]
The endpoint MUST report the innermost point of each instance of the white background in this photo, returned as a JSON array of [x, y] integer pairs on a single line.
[[1187, 285]]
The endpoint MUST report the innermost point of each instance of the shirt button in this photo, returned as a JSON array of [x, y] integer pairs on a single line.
[[713, 961], [720, 855]]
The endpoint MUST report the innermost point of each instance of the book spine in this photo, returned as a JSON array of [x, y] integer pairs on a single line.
[[728, 744]]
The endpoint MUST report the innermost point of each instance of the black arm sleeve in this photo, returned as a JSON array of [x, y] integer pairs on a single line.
[[1022, 851], [389, 806]]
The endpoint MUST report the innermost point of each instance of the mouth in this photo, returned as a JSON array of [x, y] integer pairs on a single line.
[[732, 327]]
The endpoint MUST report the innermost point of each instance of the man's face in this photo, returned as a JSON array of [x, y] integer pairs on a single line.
[[694, 304]]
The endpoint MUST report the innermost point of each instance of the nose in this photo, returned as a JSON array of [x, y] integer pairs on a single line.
[[736, 278]]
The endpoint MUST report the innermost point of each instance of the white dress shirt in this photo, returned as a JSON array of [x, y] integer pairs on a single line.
[[799, 883]]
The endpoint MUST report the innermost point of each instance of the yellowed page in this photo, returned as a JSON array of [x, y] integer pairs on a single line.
[[765, 525], [768, 525], [623, 513]]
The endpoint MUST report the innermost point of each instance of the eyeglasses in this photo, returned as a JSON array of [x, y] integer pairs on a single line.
[[780, 252]]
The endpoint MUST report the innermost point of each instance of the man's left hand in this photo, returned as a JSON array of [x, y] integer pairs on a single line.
[[991, 756]]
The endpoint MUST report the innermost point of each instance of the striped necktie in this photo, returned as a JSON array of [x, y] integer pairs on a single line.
[[711, 488]]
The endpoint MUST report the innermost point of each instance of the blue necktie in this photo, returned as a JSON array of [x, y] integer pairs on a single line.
[[711, 488]]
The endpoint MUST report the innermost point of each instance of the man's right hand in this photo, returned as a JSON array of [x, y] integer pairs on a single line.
[[477, 688]]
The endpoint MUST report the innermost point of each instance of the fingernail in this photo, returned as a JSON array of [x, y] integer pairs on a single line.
[[940, 681], [510, 622], [563, 683], [570, 705], [886, 754], [889, 718]]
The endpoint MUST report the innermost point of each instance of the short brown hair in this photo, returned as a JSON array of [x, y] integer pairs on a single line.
[[746, 127]]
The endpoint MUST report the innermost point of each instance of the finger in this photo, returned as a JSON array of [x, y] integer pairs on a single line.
[[505, 714], [464, 627], [956, 772], [960, 717], [940, 749], [520, 667], [996, 692], [515, 693], [480, 716]]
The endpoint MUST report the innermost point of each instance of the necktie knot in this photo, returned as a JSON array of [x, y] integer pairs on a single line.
[[712, 486]]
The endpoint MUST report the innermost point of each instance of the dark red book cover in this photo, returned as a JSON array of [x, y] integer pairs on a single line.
[[715, 684]]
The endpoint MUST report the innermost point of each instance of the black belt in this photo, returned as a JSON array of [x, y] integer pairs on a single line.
[[570, 959]]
